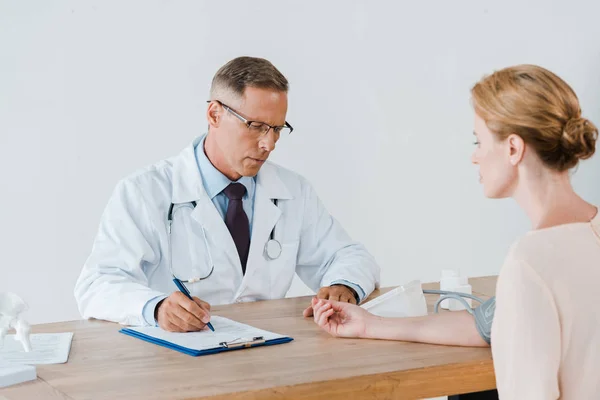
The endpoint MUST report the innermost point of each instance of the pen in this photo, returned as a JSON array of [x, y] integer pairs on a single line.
[[184, 290]]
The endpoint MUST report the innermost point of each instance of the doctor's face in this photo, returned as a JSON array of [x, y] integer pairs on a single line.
[[244, 149], [496, 173]]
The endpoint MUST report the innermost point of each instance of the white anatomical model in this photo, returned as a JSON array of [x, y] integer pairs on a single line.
[[11, 306]]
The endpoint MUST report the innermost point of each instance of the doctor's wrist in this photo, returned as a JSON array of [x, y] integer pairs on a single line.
[[352, 291], [156, 310]]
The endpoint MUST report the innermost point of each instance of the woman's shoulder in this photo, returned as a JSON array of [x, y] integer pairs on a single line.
[[545, 250]]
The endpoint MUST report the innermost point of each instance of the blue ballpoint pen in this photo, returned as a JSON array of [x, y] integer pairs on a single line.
[[184, 290]]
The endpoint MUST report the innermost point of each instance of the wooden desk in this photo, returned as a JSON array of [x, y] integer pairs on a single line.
[[105, 364]]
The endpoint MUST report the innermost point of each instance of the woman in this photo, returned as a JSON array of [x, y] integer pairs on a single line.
[[546, 330]]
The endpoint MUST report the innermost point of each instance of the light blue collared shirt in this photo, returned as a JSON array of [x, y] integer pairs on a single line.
[[214, 182]]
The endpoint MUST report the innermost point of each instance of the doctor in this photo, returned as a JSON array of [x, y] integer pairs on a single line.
[[222, 220]]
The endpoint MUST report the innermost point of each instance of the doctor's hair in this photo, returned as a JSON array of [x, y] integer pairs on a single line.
[[537, 105], [243, 72]]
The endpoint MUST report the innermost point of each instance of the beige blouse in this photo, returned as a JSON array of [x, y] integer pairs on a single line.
[[546, 329]]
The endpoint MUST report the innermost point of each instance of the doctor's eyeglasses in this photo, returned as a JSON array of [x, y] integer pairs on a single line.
[[258, 128]]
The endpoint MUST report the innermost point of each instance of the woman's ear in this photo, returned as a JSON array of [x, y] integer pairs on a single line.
[[516, 148]]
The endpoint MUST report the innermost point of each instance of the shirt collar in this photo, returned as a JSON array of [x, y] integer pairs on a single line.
[[213, 180]]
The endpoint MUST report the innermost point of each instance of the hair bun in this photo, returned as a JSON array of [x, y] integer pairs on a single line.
[[579, 138]]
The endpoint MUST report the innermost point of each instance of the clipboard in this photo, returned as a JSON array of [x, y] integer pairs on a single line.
[[198, 343]]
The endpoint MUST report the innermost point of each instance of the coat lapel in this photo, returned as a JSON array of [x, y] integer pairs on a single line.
[[188, 187], [269, 186]]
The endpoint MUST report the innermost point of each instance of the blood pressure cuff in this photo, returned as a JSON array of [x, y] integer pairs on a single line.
[[484, 315]]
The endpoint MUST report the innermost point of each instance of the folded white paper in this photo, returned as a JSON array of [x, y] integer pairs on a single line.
[[46, 348], [404, 301]]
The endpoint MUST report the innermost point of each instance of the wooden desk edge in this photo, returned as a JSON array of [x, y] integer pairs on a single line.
[[476, 376]]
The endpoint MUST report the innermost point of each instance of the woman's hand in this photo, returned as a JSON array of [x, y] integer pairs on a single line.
[[341, 319]]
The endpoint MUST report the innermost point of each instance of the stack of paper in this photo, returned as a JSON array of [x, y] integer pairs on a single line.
[[46, 348]]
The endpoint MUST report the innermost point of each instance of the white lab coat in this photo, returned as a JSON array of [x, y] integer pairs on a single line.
[[129, 262]]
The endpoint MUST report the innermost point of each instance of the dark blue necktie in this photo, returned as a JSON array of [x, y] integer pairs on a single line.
[[237, 221]]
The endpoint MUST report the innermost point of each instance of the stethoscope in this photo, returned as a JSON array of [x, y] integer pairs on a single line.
[[272, 249]]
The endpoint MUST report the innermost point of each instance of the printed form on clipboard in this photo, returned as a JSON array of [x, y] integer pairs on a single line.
[[228, 335]]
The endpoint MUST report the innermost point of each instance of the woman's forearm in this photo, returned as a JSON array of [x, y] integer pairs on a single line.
[[448, 328]]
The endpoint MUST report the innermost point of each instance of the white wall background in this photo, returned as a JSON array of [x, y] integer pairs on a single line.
[[92, 90]]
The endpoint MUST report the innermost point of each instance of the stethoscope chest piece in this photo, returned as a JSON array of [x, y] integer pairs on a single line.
[[273, 249]]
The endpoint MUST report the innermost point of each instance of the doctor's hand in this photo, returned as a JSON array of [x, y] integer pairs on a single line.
[[342, 319], [334, 292], [177, 313]]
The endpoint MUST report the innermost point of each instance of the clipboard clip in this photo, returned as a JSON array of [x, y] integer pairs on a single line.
[[241, 342]]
